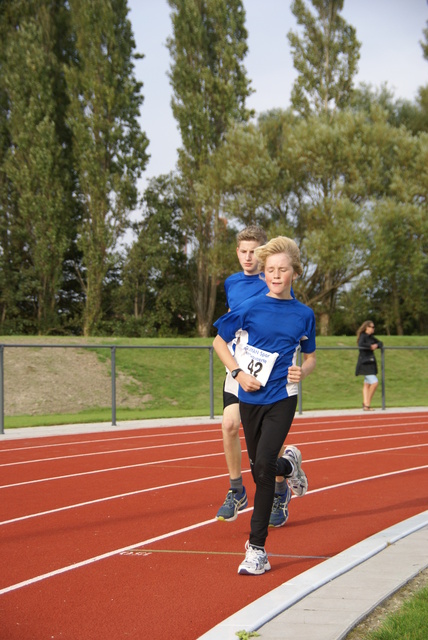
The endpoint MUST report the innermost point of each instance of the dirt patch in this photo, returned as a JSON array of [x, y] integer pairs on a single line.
[[63, 380], [374, 621]]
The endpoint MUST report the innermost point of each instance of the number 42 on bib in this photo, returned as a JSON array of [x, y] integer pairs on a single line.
[[256, 362]]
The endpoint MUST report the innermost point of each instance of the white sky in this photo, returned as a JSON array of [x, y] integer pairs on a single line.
[[390, 32]]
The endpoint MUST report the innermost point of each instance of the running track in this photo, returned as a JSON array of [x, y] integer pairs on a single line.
[[111, 535]]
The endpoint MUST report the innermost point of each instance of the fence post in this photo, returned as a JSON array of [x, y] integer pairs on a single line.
[[211, 349], [382, 361], [113, 386], [1, 390]]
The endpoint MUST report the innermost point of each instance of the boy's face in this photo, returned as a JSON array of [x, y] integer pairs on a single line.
[[279, 275], [246, 257]]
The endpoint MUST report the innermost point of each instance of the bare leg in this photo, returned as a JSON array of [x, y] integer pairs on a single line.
[[371, 390], [366, 401], [231, 443]]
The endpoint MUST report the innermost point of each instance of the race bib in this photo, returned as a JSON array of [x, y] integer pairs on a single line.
[[256, 362]]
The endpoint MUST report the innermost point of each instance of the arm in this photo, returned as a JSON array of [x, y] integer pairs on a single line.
[[296, 373], [247, 381]]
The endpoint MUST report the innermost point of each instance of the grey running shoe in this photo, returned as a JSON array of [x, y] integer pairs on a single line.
[[234, 502], [279, 513], [298, 481], [256, 561]]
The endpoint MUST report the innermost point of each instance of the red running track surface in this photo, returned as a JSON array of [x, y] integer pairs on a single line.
[[113, 535]]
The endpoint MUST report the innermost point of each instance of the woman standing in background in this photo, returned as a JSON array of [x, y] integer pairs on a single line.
[[367, 365]]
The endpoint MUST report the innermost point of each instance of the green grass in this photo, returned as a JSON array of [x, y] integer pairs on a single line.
[[176, 383], [410, 622]]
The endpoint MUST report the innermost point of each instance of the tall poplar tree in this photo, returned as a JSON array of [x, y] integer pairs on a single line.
[[325, 57], [109, 147], [210, 88], [35, 168]]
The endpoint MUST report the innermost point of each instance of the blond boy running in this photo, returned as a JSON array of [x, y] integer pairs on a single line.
[[239, 287]]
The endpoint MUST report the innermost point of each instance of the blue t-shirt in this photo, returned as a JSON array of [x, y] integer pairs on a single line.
[[274, 325], [239, 287]]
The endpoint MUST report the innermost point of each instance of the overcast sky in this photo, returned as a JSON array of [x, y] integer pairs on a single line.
[[390, 32]]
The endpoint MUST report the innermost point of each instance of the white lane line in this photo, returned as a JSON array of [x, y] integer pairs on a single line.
[[103, 556], [115, 552], [107, 453], [294, 431], [106, 440], [197, 442], [115, 497], [209, 455], [121, 468], [186, 482]]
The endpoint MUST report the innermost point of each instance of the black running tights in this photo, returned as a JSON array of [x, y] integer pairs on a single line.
[[265, 429]]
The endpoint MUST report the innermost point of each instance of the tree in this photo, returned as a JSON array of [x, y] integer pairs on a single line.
[[325, 57], [35, 163], [209, 91], [109, 147], [155, 273]]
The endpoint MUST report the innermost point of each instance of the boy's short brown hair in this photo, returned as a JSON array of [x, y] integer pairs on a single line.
[[281, 244], [253, 232]]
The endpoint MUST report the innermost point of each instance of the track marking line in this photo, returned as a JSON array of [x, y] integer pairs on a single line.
[[144, 543], [210, 455], [106, 453], [197, 442], [106, 440], [121, 468], [295, 431], [147, 552], [107, 498]]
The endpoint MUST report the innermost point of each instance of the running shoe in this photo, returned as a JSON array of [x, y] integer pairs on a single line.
[[256, 561], [298, 481], [234, 502], [279, 513]]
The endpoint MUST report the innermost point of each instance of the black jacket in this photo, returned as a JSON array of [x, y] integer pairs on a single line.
[[367, 365]]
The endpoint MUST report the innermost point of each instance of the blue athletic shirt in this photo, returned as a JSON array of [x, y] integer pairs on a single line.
[[239, 287], [274, 325]]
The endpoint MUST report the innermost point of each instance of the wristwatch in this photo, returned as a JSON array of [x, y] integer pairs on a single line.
[[235, 373]]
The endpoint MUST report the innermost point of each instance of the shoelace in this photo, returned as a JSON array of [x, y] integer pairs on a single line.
[[276, 504]]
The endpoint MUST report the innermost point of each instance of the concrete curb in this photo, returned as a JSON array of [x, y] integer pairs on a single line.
[[266, 608]]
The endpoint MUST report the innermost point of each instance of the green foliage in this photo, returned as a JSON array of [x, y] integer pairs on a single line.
[[155, 283], [35, 162], [348, 180], [210, 87], [245, 635], [109, 148], [410, 622], [325, 57]]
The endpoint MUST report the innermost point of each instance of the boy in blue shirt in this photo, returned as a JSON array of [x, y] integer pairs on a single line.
[[270, 328], [240, 287]]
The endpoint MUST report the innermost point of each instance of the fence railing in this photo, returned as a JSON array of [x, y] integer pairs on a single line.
[[114, 348]]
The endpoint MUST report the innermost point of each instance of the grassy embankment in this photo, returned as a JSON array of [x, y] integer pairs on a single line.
[[177, 380]]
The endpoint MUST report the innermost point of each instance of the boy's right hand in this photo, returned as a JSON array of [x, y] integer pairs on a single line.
[[248, 382]]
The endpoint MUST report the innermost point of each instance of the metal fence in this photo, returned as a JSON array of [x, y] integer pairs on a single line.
[[114, 348]]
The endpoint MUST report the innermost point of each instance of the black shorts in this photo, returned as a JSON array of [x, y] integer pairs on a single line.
[[229, 399]]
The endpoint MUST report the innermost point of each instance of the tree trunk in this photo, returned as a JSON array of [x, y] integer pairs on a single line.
[[324, 323]]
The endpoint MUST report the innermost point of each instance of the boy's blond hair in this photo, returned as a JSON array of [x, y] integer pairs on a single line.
[[281, 244], [252, 233]]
